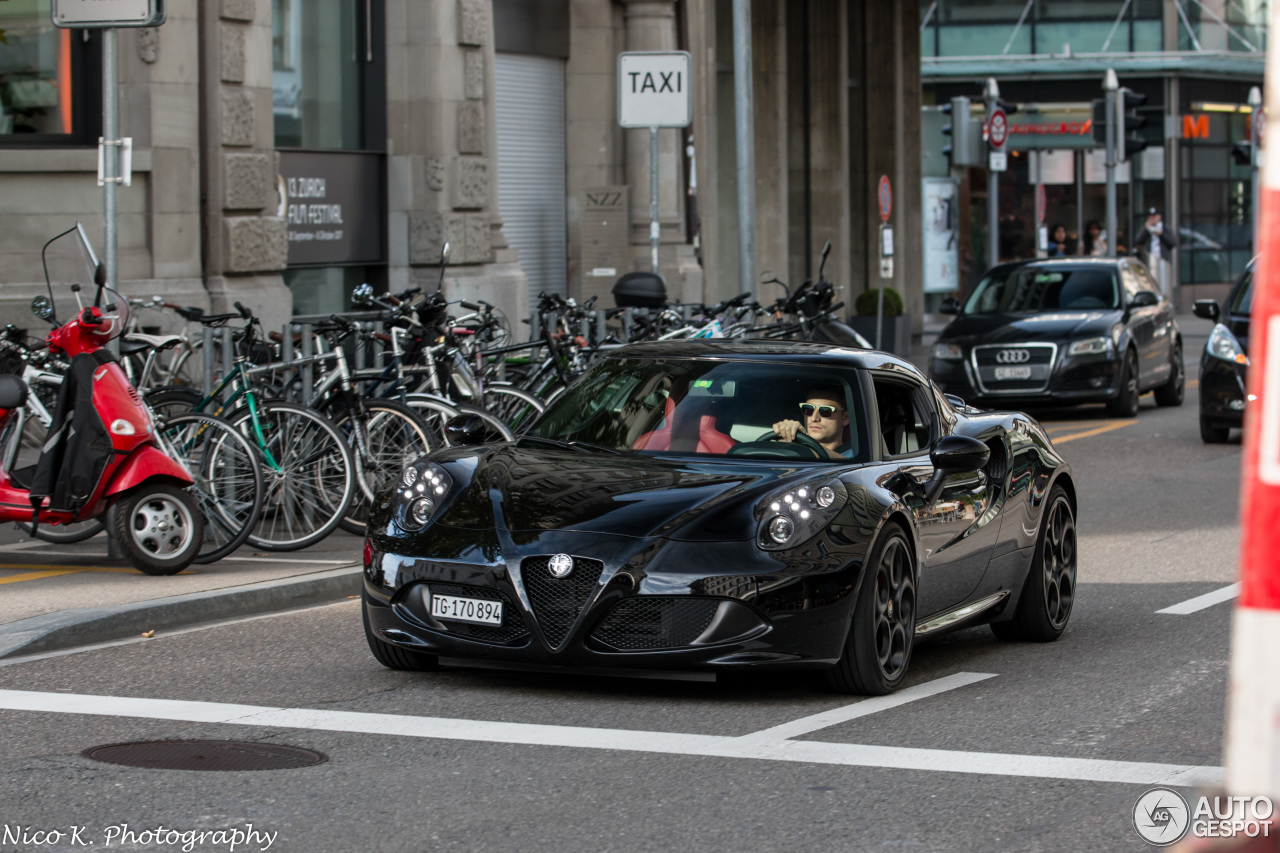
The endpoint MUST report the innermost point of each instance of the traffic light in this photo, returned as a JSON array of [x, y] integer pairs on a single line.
[[1099, 122], [1242, 153], [965, 148], [1128, 142]]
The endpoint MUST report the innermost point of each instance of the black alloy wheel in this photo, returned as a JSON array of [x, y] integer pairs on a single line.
[[1172, 392], [877, 651], [1211, 434], [1050, 589], [1125, 405]]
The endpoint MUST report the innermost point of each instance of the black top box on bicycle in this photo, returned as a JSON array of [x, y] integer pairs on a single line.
[[640, 290]]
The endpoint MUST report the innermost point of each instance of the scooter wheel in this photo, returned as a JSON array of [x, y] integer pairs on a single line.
[[159, 527]]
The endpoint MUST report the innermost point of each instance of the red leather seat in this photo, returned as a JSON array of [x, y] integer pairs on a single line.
[[692, 429]]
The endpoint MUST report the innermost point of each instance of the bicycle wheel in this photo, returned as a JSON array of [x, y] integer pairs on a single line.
[[517, 409], [310, 476], [172, 400], [394, 436], [229, 487], [495, 428]]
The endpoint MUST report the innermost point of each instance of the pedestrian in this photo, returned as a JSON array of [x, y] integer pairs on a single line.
[[1094, 243], [1152, 244], [1058, 241]]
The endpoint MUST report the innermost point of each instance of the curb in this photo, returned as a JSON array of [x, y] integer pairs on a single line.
[[87, 625]]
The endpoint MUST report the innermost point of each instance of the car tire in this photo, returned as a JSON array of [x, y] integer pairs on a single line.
[[1044, 607], [1211, 434], [1172, 392], [1125, 405], [394, 657], [877, 650]]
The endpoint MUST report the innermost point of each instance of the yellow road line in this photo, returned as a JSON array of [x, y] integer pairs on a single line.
[[1091, 432], [35, 576]]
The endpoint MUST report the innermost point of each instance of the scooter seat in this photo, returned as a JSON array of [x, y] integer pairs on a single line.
[[13, 391]]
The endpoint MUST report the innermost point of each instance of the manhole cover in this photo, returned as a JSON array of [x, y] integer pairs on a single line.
[[205, 755]]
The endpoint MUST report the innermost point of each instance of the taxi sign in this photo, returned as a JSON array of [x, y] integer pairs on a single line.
[[654, 89]]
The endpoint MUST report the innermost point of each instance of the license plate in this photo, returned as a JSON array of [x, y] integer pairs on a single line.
[[479, 611], [1023, 372]]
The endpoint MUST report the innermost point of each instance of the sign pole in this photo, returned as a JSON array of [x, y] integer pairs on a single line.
[[109, 147], [1256, 130], [992, 97], [884, 201], [1110, 85], [654, 228], [744, 129]]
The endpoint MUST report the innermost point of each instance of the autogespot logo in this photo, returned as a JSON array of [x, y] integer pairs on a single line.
[[1161, 816]]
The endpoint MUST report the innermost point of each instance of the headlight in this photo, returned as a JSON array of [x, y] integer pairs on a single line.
[[797, 514], [420, 491], [947, 352], [1090, 346], [1223, 345]]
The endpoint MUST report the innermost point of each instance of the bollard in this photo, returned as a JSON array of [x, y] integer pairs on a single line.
[[307, 350]]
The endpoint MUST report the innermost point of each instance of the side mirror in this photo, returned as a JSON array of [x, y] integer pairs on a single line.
[[362, 295], [1207, 309], [444, 253], [826, 249], [42, 307], [950, 305], [954, 454], [1144, 299], [956, 401], [768, 277], [100, 274], [464, 430]]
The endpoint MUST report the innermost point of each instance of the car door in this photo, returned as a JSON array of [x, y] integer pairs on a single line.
[[1141, 322], [1165, 327], [955, 533]]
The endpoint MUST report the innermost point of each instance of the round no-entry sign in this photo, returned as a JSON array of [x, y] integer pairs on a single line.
[[998, 129], [885, 197]]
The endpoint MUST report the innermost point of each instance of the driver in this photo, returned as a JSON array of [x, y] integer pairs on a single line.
[[825, 419]]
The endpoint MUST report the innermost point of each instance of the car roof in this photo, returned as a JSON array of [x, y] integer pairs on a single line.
[[757, 349], [1049, 263]]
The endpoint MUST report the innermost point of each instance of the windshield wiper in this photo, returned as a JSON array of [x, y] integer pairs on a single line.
[[578, 446]]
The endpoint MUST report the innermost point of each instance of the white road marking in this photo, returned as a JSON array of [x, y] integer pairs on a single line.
[[22, 546], [835, 716], [1200, 602], [746, 747]]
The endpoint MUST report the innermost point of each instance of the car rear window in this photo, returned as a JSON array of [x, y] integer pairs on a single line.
[[1035, 289]]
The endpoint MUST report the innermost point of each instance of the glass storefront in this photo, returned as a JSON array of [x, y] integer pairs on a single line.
[[329, 104]]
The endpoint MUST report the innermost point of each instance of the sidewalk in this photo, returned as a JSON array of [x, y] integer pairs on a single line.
[[56, 596]]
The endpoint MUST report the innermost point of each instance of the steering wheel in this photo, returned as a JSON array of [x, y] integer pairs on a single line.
[[803, 439]]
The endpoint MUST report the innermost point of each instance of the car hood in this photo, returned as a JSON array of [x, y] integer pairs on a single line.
[[537, 489], [1020, 328]]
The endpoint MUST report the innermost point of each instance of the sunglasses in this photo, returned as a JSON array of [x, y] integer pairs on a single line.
[[827, 412]]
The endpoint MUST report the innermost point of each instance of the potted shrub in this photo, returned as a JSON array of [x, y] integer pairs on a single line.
[[895, 335]]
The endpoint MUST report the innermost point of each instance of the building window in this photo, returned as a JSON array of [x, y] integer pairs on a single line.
[[42, 91], [325, 80], [1016, 28]]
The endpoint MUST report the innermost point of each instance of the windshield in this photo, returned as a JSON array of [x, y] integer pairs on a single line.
[[1242, 299], [709, 408], [68, 260], [1034, 289]]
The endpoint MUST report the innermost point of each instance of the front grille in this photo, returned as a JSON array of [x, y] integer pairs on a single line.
[[558, 601], [655, 623], [991, 359], [511, 629]]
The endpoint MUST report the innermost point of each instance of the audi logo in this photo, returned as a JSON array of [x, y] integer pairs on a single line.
[[1013, 356]]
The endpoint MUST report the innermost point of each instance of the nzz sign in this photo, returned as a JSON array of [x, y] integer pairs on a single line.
[[653, 89]]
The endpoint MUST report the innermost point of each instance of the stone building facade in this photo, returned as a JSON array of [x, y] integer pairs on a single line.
[[287, 150]]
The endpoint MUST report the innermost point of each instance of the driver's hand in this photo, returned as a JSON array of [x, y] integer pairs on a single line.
[[786, 430]]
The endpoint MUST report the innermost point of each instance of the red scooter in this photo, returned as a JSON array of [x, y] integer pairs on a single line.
[[103, 456]]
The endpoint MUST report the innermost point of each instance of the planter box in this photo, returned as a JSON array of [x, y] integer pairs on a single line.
[[895, 335]]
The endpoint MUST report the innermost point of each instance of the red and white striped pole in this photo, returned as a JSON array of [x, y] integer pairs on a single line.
[[1253, 717]]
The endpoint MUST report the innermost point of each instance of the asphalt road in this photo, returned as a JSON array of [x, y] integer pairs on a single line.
[[1040, 747]]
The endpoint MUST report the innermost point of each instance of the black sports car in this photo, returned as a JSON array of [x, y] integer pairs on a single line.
[[1224, 365], [652, 518], [1064, 330]]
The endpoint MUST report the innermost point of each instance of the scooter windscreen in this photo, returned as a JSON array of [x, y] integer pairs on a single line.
[[76, 278]]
